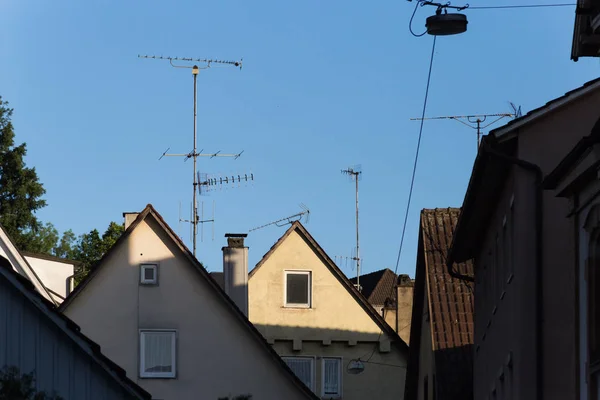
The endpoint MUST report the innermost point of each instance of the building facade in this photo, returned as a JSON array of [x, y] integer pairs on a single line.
[[320, 324], [522, 248], [156, 311]]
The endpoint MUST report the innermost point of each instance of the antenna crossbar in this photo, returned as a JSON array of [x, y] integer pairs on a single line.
[[287, 220], [207, 61], [474, 121]]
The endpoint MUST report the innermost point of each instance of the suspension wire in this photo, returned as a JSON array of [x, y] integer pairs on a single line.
[[414, 171], [412, 185], [521, 6], [417, 4]]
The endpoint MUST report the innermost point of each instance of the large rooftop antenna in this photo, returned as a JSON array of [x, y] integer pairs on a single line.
[[288, 220], [194, 154], [474, 121], [355, 175]]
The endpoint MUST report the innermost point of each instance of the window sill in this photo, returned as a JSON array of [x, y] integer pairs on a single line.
[[158, 377], [297, 307]]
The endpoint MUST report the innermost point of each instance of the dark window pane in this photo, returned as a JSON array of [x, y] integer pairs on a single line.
[[149, 273], [297, 288]]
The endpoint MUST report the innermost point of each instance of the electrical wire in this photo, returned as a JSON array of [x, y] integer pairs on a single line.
[[521, 6], [412, 185], [419, 3], [414, 171]]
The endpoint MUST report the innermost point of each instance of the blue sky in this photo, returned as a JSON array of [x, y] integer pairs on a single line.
[[325, 85]]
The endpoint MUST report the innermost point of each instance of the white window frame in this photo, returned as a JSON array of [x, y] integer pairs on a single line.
[[339, 393], [143, 268], [173, 373], [297, 305], [312, 368]]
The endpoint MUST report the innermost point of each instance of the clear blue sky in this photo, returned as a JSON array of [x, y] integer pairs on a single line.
[[325, 85]]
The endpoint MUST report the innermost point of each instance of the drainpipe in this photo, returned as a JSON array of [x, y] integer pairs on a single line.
[[539, 257]]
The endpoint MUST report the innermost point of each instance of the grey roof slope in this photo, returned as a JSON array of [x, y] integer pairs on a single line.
[[69, 328]]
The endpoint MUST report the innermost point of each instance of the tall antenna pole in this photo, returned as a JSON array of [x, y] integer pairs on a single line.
[[472, 121], [195, 207], [194, 154], [354, 173]]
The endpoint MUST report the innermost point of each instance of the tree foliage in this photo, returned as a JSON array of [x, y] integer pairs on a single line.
[[20, 190], [17, 386], [91, 247]]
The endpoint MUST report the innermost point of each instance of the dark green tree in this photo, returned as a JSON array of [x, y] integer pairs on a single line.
[[91, 247], [20, 190], [17, 386], [64, 248]]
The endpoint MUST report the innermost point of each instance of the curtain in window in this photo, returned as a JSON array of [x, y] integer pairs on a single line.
[[302, 367], [158, 352], [331, 373]]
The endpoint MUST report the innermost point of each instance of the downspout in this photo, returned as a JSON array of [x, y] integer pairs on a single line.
[[539, 306]]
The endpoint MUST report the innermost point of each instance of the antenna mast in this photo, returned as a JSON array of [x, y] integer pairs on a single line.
[[474, 121], [355, 174], [195, 220]]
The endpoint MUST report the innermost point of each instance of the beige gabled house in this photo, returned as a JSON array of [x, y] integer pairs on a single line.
[[320, 324], [157, 313]]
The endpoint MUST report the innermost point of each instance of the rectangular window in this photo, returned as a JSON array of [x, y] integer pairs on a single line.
[[157, 354], [149, 274], [303, 368], [298, 289], [332, 378]]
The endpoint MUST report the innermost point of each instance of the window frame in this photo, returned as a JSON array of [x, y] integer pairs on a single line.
[[339, 393], [149, 282], [285, 284], [312, 360], [158, 375]]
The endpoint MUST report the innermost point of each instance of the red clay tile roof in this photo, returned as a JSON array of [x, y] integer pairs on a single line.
[[450, 307], [451, 300]]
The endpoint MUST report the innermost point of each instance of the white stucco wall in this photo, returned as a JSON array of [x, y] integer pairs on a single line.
[[53, 274]]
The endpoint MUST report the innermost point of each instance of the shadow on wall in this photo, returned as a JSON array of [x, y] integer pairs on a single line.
[[454, 367], [280, 332], [452, 370]]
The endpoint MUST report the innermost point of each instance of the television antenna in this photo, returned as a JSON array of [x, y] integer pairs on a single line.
[[474, 121], [355, 174], [194, 154], [305, 213]]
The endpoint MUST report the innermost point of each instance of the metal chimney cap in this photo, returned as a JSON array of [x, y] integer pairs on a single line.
[[236, 235]]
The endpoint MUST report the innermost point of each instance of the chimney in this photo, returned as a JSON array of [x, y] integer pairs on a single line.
[[129, 218], [235, 270]]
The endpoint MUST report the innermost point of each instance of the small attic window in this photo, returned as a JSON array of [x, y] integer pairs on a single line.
[[149, 274], [297, 289]]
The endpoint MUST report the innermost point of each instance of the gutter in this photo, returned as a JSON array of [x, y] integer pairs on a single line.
[[539, 307]]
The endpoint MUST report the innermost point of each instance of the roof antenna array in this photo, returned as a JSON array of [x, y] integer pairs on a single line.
[[474, 121], [305, 213], [194, 154], [355, 174]]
